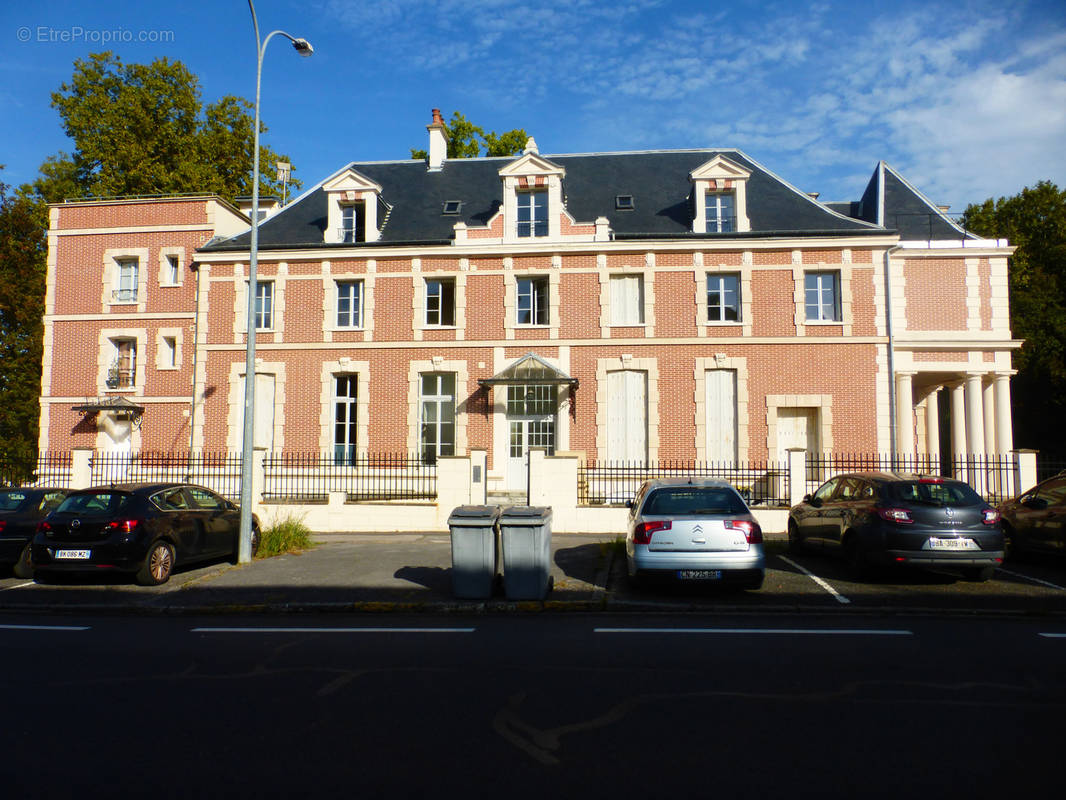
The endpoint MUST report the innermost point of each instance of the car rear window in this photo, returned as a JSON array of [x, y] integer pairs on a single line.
[[10, 501], [693, 500], [93, 503], [942, 493]]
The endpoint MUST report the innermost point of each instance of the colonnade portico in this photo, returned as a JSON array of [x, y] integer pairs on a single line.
[[980, 413]]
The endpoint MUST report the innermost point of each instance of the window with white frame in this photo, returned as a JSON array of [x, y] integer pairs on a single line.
[[533, 301], [440, 301], [627, 299], [125, 290], [172, 270], [822, 296], [353, 223], [345, 392], [723, 298], [437, 409], [122, 372], [349, 304], [264, 305], [721, 213], [169, 358], [533, 213]]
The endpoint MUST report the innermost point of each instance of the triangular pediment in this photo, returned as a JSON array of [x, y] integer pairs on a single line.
[[719, 168], [531, 164], [349, 180]]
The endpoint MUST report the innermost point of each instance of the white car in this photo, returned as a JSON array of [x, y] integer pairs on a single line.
[[696, 530]]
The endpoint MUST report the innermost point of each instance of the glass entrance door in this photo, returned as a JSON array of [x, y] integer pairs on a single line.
[[531, 423]]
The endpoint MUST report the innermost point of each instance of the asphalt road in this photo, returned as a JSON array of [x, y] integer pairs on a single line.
[[536, 705]]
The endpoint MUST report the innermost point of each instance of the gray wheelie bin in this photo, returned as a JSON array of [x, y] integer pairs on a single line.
[[474, 550], [526, 541]]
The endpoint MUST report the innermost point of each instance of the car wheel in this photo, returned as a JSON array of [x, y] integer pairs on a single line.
[[23, 568], [978, 574], [795, 541], [158, 565]]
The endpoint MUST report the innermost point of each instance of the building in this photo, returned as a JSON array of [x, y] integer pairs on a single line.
[[639, 306]]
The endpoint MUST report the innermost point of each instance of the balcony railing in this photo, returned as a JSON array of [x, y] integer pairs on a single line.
[[124, 296]]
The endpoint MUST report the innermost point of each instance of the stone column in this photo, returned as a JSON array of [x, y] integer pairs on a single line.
[[975, 415], [932, 425], [989, 402], [1004, 427], [958, 419], [905, 413]]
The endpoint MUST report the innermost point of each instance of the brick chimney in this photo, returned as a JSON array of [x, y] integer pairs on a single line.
[[438, 141]]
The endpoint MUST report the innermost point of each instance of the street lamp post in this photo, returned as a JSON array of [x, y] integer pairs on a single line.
[[244, 553]]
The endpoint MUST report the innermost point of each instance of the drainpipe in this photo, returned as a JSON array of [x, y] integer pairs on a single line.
[[892, 400], [195, 352]]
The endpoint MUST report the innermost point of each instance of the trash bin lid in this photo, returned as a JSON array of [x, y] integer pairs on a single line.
[[527, 514], [479, 513]]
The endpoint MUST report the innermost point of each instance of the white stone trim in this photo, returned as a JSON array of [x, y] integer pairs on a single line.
[[510, 302], [799, 270], [717, 169], [161, 348], [628, 363], [330, 371], [112, 256], [605, 275], [414, 397], [418, 302], [823, 402], [240, 303], [106, 355], [235, 417], [164, 265], [740, 366]]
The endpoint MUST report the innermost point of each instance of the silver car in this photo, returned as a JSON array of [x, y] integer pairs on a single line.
[[694, 530]]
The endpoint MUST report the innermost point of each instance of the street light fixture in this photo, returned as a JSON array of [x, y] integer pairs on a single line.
[[244, 551]]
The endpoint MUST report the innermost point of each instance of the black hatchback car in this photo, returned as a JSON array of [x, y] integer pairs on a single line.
[[884, 518], [146, 529], [1036, 521], [20, 512]]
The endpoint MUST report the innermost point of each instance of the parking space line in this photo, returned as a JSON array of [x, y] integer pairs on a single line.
[[766, 631], [1049, 584], [44, 627], [837, 595], [18, 586], [1053, 635], [333, 630]]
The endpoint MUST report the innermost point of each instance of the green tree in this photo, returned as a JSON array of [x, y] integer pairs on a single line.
[[465, 140], [1035, 223], [23, 249], [143, 129]]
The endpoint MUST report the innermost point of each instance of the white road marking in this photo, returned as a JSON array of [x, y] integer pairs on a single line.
[[1031, 578], [839, 597], [44, 627], [18, 586], [1053, 635], [333, 630], [767, 631]]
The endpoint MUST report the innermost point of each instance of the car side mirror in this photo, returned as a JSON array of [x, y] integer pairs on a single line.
[[816, 502]]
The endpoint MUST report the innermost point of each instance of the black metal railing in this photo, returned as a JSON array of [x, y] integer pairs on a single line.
[[311, 477], [220, 472], [48, 469], [761, 483]]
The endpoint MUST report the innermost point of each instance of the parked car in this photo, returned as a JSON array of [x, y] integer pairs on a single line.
[[1036, 520], [882, 518], [146, 529], [20, 512], [694, 530]]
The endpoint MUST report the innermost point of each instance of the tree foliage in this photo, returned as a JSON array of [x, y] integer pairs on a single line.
[[143, 129], [1035, 223], [465, 140], [23, 249]]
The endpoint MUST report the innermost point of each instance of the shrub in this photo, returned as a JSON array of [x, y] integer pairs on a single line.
[[285, 535]]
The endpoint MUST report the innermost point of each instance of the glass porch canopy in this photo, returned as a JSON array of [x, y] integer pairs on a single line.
[[529, 369], [113, 404]]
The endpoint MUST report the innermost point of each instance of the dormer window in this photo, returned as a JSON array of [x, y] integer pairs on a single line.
[[451, 208], [719, 193], [533, 213], [355, 212], [720, 212], [623, 202]]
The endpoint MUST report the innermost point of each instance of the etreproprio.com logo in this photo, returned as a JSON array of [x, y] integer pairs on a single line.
[[46, 34]]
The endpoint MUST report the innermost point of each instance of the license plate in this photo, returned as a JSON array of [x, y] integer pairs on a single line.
[[952, 544], [699, 574], [74, 554]]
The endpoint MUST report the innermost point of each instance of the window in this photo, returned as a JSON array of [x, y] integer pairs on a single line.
[[623, 202], [344, 406], [627, 299], [532, 301], [451, 208], [353, 223], [438, 415], [533, 213], [126, 291], [123, 370], [170, 352], [822, 293], [721, 212], [723, 298], [440, 301], [172, 275], [349, 304], [264, 305]]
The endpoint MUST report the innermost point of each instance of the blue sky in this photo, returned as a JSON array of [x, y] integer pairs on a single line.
[[967, 99]]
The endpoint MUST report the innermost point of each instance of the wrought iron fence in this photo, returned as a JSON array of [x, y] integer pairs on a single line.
[[762, 483], [310, 477], [991, 476], [218, 471], [52, 469]]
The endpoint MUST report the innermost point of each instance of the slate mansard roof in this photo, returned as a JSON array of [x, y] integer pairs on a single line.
[[658, 182]]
